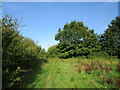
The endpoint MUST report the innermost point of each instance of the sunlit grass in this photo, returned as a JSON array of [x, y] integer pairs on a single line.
[[64, 73]]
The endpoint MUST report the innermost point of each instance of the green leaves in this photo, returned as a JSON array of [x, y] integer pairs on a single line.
[[110, 39], [18, 51], [53, 51], [76, 40]]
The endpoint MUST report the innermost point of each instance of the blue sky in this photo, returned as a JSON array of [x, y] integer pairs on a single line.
[[44, 18]]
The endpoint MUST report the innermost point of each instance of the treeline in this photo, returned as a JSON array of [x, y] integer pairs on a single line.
[[76, 40], [19, 54]]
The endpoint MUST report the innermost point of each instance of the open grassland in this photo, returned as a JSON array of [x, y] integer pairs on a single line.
[[75, 73]]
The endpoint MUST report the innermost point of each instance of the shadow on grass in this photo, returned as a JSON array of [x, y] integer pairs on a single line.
[[30, 77]]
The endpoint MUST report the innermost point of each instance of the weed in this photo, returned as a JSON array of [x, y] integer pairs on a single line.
[[76, 86], [101, 79], [78, 61], [88, 69], [100, 65], [79, 69], [118, 67], [108, 68], [72, 79], [110, 80], [76, 65], [117, 82], [57, 72], [92, 65]]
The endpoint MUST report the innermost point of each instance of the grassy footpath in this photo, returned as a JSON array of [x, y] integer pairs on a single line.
[[74, 73]]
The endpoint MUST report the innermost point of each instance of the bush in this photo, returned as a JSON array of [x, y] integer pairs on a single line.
[[102, 55], [18, 53], [53, 51]]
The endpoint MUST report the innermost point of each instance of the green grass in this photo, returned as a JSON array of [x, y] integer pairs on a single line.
[[63, 73]]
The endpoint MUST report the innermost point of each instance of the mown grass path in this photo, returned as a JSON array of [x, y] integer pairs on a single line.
[[58, 73]]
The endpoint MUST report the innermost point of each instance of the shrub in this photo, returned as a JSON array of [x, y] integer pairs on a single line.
[[118, 83], [19, 53], [118, 67], [53, 51], [102, 55]]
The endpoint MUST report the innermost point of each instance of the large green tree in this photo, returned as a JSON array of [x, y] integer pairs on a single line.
[[110, 39], [75, 39]]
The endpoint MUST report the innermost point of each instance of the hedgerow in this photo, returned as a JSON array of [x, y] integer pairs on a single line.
[[18, 53]]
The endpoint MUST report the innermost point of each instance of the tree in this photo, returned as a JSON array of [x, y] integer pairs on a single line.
[[76, 40], [53, 51], [110, 39]]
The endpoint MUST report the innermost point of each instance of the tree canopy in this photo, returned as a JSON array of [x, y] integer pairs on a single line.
[[110, 39], [53, 51], [75, 39]]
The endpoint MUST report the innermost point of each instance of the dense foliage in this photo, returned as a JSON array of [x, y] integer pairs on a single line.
[[53, 51], [110, 39], [18, 53], [75, 39]]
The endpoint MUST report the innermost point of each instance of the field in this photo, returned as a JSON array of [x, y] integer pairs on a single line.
[[74, 73]]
